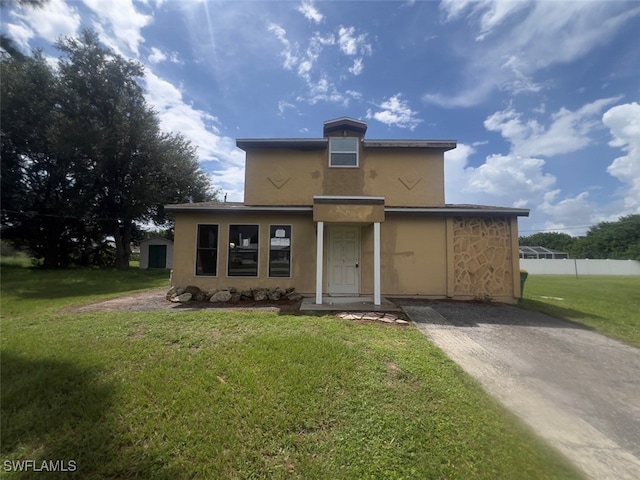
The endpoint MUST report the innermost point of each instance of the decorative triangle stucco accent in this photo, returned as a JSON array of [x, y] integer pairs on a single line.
[[410, 181], [279, 178]]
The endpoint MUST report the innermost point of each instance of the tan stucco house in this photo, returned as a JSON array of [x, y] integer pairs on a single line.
[[346, 215]]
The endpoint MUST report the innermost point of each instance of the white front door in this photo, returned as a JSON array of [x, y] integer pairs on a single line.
[[344, 260]]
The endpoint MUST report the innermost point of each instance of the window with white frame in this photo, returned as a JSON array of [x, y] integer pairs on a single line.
[[207, 251], [343, 151], [243, 251], [280, 251]]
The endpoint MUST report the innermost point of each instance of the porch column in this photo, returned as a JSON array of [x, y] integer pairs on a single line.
[[319, 250], [376, 264]]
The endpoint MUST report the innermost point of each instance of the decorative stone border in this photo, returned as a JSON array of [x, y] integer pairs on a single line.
[[373, 316], [192, 293]]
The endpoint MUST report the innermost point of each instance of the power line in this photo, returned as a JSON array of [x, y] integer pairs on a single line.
[[31, 213], [551, 230]]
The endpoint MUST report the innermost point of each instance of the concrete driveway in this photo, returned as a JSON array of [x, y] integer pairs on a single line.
[[577, 389]]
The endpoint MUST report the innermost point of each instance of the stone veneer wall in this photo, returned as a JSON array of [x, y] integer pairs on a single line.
[[483, 264]]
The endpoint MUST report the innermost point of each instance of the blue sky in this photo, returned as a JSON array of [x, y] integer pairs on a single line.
[[541, 96]]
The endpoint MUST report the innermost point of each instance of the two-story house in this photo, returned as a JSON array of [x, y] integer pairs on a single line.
[[345, 215]]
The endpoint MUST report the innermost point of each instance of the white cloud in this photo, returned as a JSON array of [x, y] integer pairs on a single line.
[[50, 23], [20, 34], [624, 123], [509, 175], [119, 24], [516, 40], [358, 66], [310, 12], [568, 131], [157, 55], [290, 59], [518, 178], [491, 13], [323, 90], [351, 44], [501, 179], [231, 180], [304, 62], [396, 112], [199, 127]]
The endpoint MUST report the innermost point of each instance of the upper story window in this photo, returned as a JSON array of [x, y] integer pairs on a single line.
[[343, 151]]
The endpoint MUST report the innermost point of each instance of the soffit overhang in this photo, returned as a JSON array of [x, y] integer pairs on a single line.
[[451, 210], [309, 144]]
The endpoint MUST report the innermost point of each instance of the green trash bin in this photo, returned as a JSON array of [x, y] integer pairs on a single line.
[[523, 278]]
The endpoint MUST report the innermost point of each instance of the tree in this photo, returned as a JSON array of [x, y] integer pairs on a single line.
[[39, 182], [106, 161], [552, 240], [619, 240]]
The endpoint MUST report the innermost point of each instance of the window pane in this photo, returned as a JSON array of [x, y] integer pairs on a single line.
[[343, 151], [344, 159], [344, 144], [206, 262], [207, 236], [207, 251], [243, 250], [280, 251]]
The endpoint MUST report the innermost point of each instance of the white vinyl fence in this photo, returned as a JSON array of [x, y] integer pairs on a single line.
[[572, 266]]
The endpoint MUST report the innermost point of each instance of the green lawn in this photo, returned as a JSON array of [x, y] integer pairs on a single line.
[[610, 305], [214, 394]]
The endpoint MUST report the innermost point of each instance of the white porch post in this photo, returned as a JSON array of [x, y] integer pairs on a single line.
[[376, 264], [319, 250]]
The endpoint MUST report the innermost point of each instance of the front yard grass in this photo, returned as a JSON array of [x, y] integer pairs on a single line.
[[230, 395], [610, 305]]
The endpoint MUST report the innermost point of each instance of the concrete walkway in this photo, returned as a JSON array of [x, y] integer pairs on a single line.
[[577, 389]]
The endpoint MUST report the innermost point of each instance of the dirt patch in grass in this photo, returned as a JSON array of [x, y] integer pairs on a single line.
[[153, 300]]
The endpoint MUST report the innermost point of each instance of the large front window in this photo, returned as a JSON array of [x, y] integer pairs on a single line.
[[243, 251], [207, 251], [280, 251], [343, 152]]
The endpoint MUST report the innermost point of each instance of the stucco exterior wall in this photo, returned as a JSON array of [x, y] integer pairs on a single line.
[[302, 251], [413, 256], [436, 257], [292, 177], [483, 258]]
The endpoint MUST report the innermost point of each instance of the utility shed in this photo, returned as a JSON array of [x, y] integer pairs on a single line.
[[156, 252]]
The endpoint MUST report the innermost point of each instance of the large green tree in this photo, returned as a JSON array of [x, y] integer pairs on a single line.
[[615, 240], [103, 146], [552, 240], [40, 197]]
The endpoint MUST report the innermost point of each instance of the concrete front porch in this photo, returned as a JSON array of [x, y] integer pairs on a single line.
[[345, 304]]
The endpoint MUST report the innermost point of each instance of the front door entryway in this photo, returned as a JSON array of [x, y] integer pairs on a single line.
[[344, 260]]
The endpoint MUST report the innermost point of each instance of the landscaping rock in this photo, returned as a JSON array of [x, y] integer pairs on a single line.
[[192, 289], [294, 297], [171, 293], [260, 294], [211, 292], [200, 297], [235, 297], [221, 296], [246, 295], [180, 290], [185, 297], [274, 295]]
